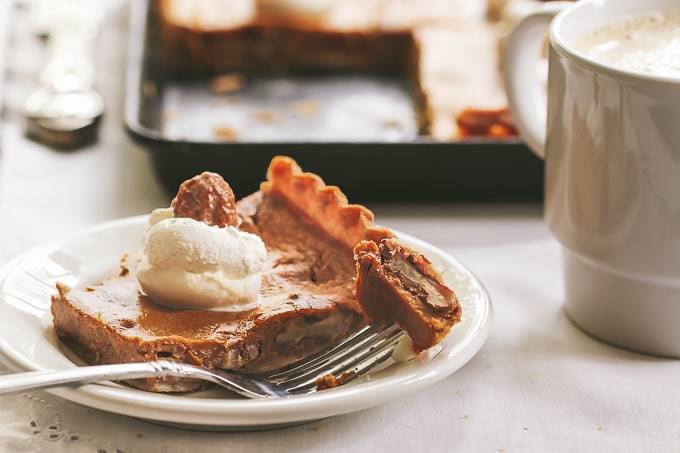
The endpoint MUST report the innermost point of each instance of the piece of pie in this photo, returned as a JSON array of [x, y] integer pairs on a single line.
[[397, 284], [307, 298], [447, 48]]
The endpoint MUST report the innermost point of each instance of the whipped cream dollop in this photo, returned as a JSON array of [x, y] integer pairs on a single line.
[[189, 264]]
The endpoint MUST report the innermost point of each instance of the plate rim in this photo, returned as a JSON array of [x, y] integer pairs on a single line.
[[249, 413]]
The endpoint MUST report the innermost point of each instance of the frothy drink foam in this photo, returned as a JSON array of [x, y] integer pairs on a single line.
[[648, 43]]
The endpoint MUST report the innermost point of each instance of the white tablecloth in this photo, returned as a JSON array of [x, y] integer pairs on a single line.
[[539, 384]]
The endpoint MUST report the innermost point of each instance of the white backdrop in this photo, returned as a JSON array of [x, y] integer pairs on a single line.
[[538, 385]]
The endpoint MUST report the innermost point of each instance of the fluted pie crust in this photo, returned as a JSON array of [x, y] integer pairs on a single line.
[[307, 301]]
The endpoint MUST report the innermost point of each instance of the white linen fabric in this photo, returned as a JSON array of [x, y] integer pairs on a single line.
[[539, 384]]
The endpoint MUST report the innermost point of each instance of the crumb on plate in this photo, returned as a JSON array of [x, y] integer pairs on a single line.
[[329, 381]]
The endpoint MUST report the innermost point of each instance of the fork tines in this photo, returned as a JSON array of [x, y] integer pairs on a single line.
[[353, 357]]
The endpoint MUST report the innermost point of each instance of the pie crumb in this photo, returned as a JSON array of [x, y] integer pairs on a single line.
[[225, 133], [227, 83], [329, 381], [307, 107], [326, 382], [267, 116]]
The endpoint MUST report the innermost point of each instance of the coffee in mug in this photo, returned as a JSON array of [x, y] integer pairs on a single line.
[[645, 43]]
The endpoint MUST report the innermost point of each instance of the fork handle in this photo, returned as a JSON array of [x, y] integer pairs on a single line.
[[55, 378]]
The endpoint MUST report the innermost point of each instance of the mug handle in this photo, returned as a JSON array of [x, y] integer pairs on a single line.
[[527, 99]]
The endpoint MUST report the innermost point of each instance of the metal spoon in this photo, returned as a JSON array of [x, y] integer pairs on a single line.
[[64, 112]]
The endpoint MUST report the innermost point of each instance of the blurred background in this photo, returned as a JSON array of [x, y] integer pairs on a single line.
[[108, 105]]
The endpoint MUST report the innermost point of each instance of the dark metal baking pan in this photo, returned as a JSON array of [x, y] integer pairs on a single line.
[[357, 131]]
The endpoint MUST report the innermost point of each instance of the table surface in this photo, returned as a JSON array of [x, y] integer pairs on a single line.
[[539, 384]]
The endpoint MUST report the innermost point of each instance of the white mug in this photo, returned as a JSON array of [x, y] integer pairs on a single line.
[[611, 142]]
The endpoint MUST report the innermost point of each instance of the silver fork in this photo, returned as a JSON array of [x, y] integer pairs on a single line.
[[352, 358]]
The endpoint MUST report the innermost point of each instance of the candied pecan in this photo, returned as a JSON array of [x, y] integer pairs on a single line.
[[207, 198]]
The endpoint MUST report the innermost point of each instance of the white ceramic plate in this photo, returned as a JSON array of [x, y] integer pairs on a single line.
[[28, 342]]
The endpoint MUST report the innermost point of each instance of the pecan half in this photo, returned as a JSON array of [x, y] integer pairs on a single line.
[[207, 198]]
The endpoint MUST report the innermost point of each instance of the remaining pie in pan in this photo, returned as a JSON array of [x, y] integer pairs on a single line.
[[307, 296], [447, 48]]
